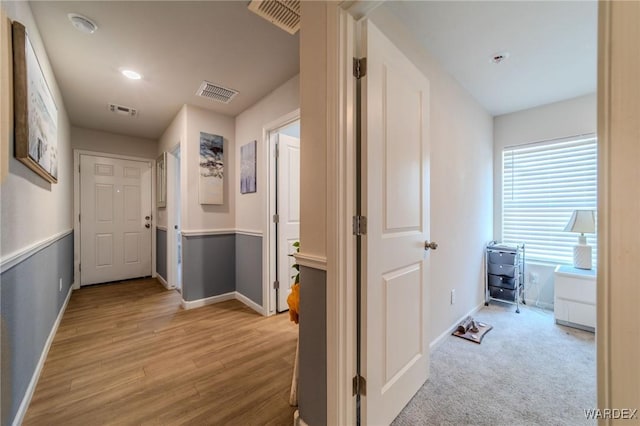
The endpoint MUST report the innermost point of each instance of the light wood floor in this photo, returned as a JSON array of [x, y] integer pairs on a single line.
[[127, 353]]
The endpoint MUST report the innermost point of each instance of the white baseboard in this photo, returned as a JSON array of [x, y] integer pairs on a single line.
[[297, 420], [250, 303], [543, 305], [435, 343], [163, 282], [26, 400], [192, 304]]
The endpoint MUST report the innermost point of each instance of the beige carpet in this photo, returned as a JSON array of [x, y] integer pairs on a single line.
[[527, 371]]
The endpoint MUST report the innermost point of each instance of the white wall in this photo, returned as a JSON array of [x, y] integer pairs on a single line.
[[461, 139], [553, 121], [194, 215], [313, 130], [250, 124], [111, 143], [32, 209]]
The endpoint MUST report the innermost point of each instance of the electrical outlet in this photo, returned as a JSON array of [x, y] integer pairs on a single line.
[[60, 285], [453, 296]]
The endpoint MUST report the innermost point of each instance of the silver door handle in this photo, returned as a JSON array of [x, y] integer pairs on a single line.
[[430, 245]]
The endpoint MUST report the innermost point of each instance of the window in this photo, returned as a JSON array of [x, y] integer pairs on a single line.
[[543, 184]]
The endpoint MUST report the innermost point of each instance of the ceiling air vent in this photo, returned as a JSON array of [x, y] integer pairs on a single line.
[[282, 13], [216, 92], [123, 110]]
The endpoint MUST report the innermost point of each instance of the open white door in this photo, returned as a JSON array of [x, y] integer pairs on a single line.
[[288, 213], [115, 219], [395, 201]]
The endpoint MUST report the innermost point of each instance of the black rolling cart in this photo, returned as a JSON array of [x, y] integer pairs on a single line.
[[504, 277]]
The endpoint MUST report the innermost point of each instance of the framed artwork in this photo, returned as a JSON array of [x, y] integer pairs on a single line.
[[211, 182], [248, 168], [161, 181], [35, 111]]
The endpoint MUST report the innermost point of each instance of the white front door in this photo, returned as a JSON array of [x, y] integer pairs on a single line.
[[395, 201], [288, 213], [115, 219]]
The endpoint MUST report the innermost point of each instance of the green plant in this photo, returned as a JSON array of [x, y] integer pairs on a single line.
[[295, 266]]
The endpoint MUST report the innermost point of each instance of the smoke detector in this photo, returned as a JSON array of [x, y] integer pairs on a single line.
[[216, 92], [284, 14], [82, 23], [123, 110]]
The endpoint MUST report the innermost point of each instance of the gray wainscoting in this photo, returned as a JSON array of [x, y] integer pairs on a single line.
[[208, 266], [31, 301], [312, 379], [249, 267], [161, 253]]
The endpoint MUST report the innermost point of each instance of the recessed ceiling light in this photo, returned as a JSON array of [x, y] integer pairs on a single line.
[[496, 58], [82, 23], [131, 74]]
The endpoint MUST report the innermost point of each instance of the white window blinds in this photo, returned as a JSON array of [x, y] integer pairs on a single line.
[[543, 184]]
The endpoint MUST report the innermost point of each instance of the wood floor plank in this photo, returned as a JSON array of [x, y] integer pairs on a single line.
[[127, 354]]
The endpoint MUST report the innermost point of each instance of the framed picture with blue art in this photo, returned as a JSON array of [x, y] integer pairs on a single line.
[[211, 183], [35, 111], [248, 168]]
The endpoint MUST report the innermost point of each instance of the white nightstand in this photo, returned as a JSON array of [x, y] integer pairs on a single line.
[[575, 297]]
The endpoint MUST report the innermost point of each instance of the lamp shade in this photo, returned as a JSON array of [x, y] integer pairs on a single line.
[[581, 221]]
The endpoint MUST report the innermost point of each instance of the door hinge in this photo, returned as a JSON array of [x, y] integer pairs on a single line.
[[276, 218], [276, 284], [359, 385], [359, 67], [276, 151], [359, 225], [79, 216], [78, 168], [80, 267]]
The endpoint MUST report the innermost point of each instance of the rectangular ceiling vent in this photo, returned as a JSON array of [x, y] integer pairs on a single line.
[[282, 13], [216, 92], [123, 110]]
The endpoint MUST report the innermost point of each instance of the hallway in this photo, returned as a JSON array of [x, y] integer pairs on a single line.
[[127, 353]]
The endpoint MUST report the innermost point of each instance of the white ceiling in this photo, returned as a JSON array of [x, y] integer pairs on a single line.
[[552, 46], [174, 45]]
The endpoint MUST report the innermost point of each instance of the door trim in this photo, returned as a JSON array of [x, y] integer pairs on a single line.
[[341, 259], [269, 254], [173, 183], [76, 207]]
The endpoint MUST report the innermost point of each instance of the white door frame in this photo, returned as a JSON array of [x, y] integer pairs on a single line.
[[269, 254], [342, 265], [76, 207], [172, 203], [341, 315]]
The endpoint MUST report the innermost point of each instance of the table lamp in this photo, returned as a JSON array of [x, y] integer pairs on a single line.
[[582, 221]]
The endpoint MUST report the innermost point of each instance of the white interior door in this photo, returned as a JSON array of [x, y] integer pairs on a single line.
[[115, 219], [288, 212], [395, 200]]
